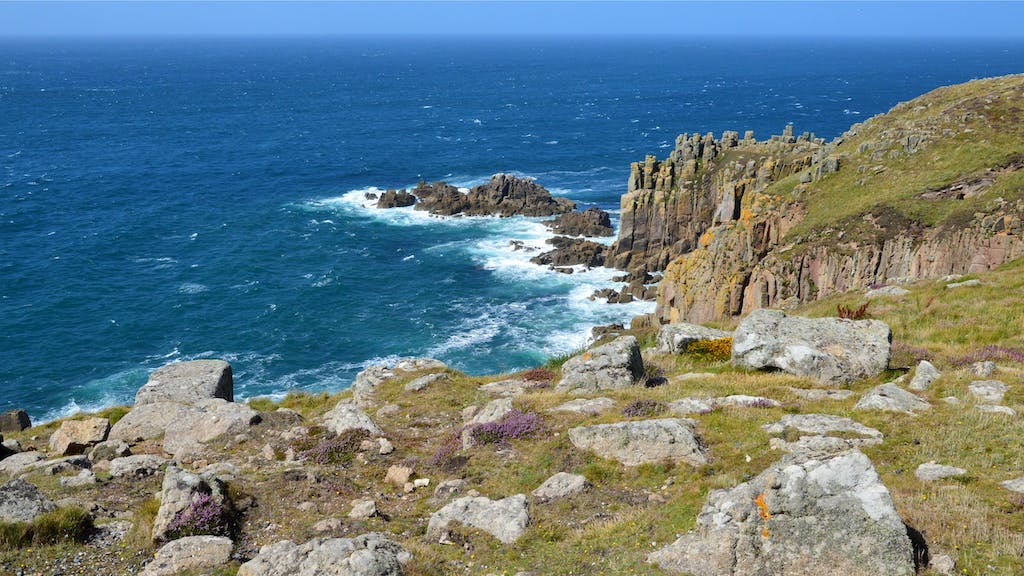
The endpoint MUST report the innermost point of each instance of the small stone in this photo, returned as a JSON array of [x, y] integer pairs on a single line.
[[469, 412], [84, 478], [421, 482], [268, 453], [505, 519], [821, 393], [449, 488], [347, 416], [561, 485], [964, 284], [109, 450], [329, 525], [942, 564], [891, 398], [886, 291], [188, 383], [388, 410], [674, 338], [422, 382], [996, 409], [398, 475], [925, 374], [492, 411], [694, 376], [137, 466], [983, 369], [611, 366], [931, 472], [1015, 485], [589, 406], [644, 441], [991, 391], [384, 446], [363, 509], [951, 400], [686, 406]]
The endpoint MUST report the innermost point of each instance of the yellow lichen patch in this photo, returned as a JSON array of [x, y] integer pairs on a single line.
[[706, 238]]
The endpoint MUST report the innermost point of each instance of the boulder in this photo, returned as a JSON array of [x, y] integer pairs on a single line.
[[572, 252], [423, 381], [891, 398], [398, 475], [707, 405], [643, 441], [924, 376], [674, 338], [802, 516], [364, 387], [205, 421], [821, 393], [687, 406], [1014, 485], [996, 409], [74, 436], [886, 291], [14, 421], [347, 416], [831, 350], [15, 464], [511, 387], [21, 501], [108, 450], [148, 421], [83, 478], [561, 485], [983, 369], [608, 367], [138, 466], [198, 553], [363, 509], [366, 555], [820, 429], [588, 406], [395, 199], [188, 383], [492, 411], [505, 519], [991, 391], [177, 492], [930, 472], [590, 222]]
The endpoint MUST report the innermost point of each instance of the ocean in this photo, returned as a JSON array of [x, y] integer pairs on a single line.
[[175, 199]]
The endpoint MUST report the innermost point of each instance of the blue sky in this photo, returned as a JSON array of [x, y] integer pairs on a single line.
[[779, 19]]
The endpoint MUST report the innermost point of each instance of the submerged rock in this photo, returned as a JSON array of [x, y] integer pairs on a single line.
[[832, 350], [802, 516]]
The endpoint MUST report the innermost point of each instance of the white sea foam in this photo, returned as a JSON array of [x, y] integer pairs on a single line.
[[473, 332], [191, 288]]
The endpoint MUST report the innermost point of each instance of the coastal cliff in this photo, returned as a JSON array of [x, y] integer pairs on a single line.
[[931, 188]]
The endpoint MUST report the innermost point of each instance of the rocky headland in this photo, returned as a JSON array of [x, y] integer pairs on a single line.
[[871, 428]]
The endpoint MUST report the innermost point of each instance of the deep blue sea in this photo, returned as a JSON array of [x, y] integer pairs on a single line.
[[165, 200]]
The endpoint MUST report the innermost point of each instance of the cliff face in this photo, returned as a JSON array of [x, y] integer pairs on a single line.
[[670, 203], [933, 187]]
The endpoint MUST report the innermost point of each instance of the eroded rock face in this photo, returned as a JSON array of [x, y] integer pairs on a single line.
[[189, 553], [188, 383], [642, 442], [503, 195], [572, 252], [674, 338], [366, 555], [611, 366], [505, 519], [21, 501], [800, 517], [347, 416], [74, 436], [395, 199], [831, 350]]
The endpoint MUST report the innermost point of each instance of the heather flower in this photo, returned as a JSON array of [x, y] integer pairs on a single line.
[[515, 424], [204, 515], [991, 352], [329, 449]]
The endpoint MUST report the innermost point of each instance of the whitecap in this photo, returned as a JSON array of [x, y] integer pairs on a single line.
[[191, 288]]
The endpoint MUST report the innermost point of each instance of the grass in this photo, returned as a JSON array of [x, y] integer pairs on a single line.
[[65, 524]]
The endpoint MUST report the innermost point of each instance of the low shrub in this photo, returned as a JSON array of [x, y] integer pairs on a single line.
[[323, 447], [643, 408], [450, 446], [204, 516], [904, 355], [654, 376], [717, 350], [991, 352], [852, 313], [539, 375], [515, 424]]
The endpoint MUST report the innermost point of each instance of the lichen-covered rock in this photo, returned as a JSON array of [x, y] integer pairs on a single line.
[[831, 350], [188, 383], [886, 291], [930, 472], [14, 421], [492, 411], [505, 519], [561, 485], [590, 406], [643, 441], [74, 436], [177, 492], [802, 516], [991, 391], [426, 380], [21, 501], [189, 553], [108, 450], [347, 416], [607, 367], [366, 555], [364, 387], [674, 338], [137, 466], [924, 376], [15, 464], [819, 430], [204, 421], [891, 398]]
